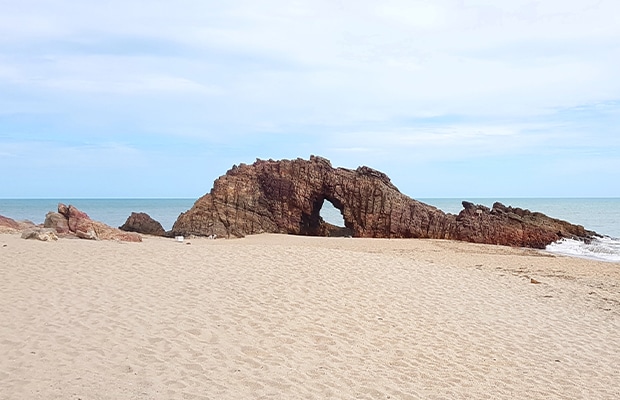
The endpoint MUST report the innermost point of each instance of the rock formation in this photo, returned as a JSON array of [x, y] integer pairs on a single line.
[[69, 221], [9, 225], [513, 227], [143, 223], [286, 197]]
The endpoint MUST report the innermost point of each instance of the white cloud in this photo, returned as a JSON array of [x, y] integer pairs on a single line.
[[413, 14], [357, 78], [426, 57]]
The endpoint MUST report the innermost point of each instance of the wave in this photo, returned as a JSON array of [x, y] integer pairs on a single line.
[[603, 249]]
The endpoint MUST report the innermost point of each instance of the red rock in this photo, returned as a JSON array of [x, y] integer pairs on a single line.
[[80, 225], [9, 225], [286, 197]]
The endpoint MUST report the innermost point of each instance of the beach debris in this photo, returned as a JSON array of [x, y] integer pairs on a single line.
[[534, 281], [42, 234], [143, 223], [286, 196]]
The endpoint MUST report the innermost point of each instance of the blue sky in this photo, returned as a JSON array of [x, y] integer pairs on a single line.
[[450, 98]]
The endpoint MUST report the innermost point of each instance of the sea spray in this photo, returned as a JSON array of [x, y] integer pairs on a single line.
[[603, 249]]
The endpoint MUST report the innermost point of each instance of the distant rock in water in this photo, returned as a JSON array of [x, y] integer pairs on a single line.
[[143, 223], [69, 221], [286, 197]]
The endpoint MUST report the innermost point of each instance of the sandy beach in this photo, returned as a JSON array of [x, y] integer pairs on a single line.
[[286, 317]]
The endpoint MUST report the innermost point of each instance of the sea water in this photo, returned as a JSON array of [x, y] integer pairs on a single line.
[[601, 215], [113, 212]]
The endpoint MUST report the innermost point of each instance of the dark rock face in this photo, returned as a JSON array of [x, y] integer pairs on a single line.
[[513, 227], [286, 197], [143, 223], [69, 221]]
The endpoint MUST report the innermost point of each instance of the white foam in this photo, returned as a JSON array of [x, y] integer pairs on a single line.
[[604, 248]]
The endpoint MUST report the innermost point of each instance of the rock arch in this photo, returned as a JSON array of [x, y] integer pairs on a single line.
[[286, 196]]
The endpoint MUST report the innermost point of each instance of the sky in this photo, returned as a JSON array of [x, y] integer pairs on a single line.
[[450, 98]]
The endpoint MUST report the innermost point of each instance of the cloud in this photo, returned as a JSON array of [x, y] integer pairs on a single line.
[[442, 81]]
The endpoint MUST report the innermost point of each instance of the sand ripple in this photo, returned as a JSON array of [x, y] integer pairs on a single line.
[[288, 317]]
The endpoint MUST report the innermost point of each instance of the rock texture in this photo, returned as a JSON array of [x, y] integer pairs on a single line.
[[9, 225], [143, 223], [286, 197], [69, 221], [513, 227], [42, 234]]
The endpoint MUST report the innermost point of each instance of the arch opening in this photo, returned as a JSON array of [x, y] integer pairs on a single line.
[[324, 220], [331, 214]]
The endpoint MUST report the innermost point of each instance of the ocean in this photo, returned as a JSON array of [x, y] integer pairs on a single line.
[[113, 212], [598, 214]]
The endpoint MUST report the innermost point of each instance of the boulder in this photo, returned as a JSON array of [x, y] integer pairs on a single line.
[[58, 222], [286, 197], [43, 234], [80, 225], [143, 223]]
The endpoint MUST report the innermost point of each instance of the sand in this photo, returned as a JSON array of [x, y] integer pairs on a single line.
[[284, 317]]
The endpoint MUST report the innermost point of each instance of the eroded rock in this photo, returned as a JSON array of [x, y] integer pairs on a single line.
[[9, 225], [80, 225], [143, 223], [286, 197]]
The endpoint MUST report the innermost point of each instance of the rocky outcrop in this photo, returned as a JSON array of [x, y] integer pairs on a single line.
[[513, 227], [9, 225], [286, 197], [143, 223], [69, 221]]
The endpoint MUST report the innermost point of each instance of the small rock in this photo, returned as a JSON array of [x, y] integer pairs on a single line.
[[89, 235], [44, 235]]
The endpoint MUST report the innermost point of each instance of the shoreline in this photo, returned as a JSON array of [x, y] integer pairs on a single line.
[[304, 317]]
